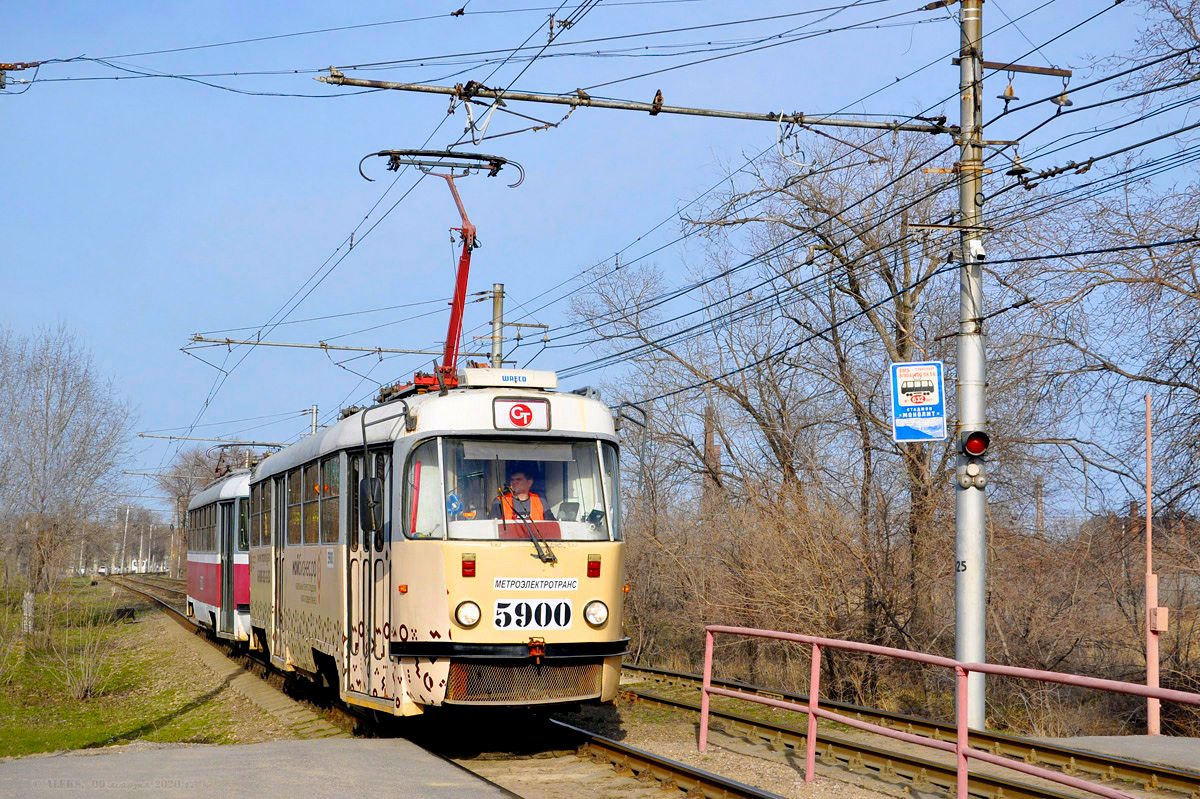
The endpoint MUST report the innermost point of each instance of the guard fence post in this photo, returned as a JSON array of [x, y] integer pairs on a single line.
[[810, 740], [962, 740], [708, 659]]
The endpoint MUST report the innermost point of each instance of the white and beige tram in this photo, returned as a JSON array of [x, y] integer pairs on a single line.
[[218, 560], [456, 547]]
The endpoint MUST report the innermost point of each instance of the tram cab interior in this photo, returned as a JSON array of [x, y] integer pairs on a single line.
[[563, 479]]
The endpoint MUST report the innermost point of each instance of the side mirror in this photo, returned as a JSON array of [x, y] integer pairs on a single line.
[[370, 504]]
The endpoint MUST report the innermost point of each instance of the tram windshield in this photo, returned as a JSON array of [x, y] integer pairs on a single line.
[[507, 489]]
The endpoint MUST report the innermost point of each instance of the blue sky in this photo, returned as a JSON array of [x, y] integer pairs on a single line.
[[141, 211]]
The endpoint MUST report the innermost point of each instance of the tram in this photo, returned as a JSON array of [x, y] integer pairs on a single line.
[[458, 543], [391, 556], [218, 557]]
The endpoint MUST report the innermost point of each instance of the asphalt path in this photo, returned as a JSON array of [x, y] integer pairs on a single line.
[[332, 768]]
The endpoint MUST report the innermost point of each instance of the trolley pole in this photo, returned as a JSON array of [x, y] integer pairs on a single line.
[[314, 420], [971, 501], [497, 325]]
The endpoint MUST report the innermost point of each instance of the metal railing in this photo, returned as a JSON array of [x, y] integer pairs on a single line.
[[960, 748]]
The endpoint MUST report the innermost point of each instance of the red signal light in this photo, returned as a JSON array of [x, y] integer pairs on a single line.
[[468, 564], [593, 566], [976, 443]]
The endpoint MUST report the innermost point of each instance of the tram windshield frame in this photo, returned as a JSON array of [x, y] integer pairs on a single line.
[[457, 488]]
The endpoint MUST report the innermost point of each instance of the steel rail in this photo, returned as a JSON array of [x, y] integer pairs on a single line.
[[143, 589], [627, 760], [634, 762], [155, 586], [862, 758], [1150, 776]]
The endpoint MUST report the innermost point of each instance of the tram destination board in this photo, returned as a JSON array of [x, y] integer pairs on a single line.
[[918, 402]]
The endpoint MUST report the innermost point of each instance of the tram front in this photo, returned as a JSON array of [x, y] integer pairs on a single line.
[[509, 577]]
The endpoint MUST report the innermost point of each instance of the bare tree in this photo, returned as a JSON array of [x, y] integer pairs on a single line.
[[65, 433], [187, 475]]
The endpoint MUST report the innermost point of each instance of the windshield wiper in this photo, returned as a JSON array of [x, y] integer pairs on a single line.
[[540, 545]]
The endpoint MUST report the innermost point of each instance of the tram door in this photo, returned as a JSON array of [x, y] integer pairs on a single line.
[[279, 519], [367, 577], [228, 538]]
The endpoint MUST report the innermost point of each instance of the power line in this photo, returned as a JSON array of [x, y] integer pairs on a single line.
[[688, 234], [224, 376], [931, 63], [441, 301], [743, 52], [618, 37], [384, 23], [231, 421]]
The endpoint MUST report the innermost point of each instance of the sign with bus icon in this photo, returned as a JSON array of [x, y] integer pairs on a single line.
[[918, 402]]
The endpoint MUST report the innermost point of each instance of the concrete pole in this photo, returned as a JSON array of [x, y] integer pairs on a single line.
[[497, 325], [971, 502], [314, 420], [1153, 721], [124, 540]]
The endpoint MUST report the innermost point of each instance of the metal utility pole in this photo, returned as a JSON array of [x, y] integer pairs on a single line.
[[497, 325], [314, 420], [1156, 617], [970, 540]]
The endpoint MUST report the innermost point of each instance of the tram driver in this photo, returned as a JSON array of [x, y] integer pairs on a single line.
[[518, 500]]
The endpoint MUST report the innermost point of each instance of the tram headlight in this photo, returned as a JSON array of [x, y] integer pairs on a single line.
[[467, 614], [596, 612]]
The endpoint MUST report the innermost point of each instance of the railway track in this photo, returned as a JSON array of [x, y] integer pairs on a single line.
[[625, 760], [165, 585], [850, 753]]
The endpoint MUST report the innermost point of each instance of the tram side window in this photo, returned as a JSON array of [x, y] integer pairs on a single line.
[[422, 494], [255, 496], [243, 524], [294, 496], [352, 516], [268, 498], [612, 476], [331, 476], [312, 495], [383, 470]]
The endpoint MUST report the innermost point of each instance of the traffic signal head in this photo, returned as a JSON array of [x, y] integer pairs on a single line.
[[975, 443]]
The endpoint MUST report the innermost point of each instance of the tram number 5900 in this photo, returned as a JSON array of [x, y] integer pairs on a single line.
[[533, 614]]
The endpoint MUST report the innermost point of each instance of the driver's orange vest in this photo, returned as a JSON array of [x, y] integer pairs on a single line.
[[535, 507]]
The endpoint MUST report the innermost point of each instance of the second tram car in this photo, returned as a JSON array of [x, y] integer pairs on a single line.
[[460, 546], [218, 556]]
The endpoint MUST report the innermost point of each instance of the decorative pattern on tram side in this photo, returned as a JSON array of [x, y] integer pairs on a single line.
[[304, 631]]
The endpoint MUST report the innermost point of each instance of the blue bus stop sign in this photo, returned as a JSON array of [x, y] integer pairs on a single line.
[[918, 402]]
